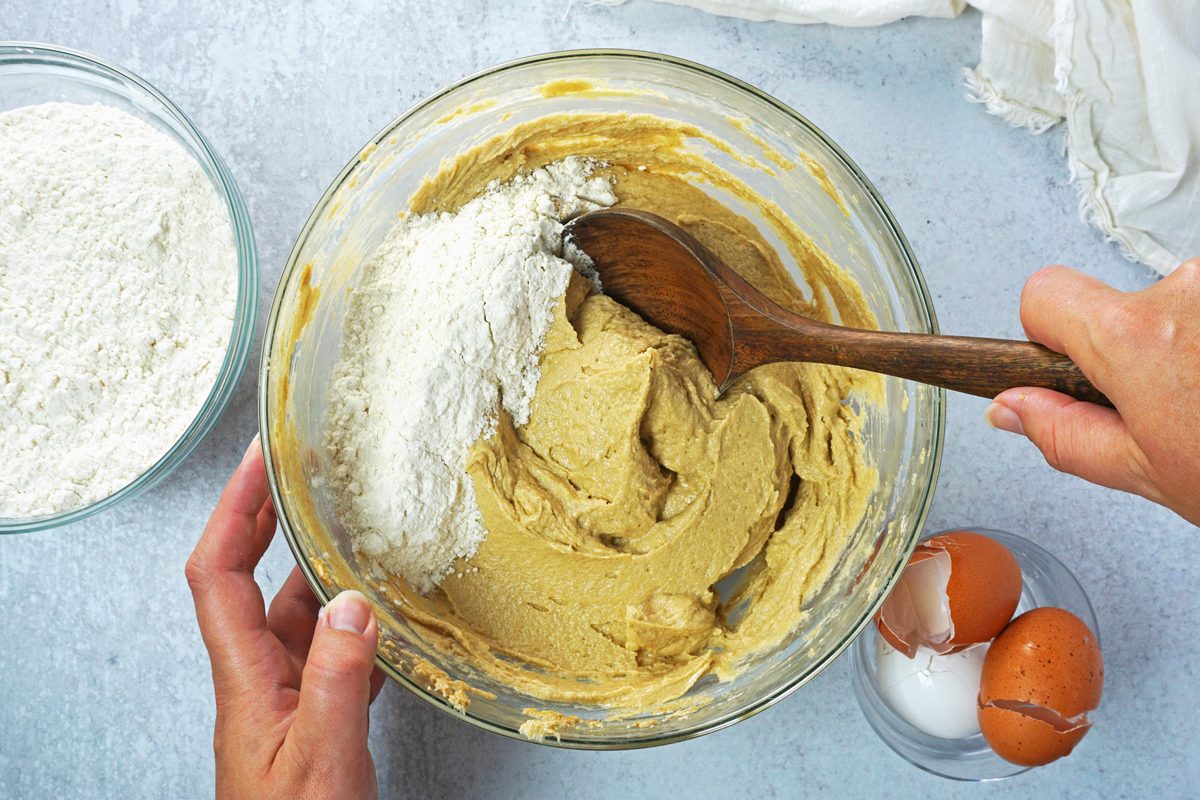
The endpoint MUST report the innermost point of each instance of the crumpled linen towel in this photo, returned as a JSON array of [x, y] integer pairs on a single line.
[[835, 12], [1124, 76]]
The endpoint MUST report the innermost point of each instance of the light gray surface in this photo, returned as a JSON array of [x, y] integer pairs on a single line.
[[105, 685]]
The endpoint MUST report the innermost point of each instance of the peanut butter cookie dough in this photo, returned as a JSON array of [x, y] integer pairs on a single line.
[[633, 490]]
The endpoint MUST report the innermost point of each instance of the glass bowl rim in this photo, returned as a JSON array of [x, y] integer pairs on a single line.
[[914, 274], [241, 338]]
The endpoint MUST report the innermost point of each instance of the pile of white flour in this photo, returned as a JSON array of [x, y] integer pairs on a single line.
[[118, 280], [445, 328]]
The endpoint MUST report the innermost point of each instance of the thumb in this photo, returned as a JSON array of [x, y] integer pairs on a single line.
[[1080, 438], [335, 689]]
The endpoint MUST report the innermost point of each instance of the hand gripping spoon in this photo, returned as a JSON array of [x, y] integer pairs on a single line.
[[659, 271]]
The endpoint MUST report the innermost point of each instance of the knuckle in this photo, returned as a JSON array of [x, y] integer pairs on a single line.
[[1051, 444], [222, 748], [1187, 276], [332, 664], [1041, 296], [1144, 325], [196, 572], [1037, 283], [1046, 274], [1140, 472], [1120, 317]]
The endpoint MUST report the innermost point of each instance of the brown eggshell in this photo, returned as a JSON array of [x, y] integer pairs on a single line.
[[1024, 740], [892, 638], [984, 587], [1047, 657], [1041, 676], [902, 641]]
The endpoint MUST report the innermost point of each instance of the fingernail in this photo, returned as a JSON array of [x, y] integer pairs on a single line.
[[254, 445], [349, 612], [1003, 418]]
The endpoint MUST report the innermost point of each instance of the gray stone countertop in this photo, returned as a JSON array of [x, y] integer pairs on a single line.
[[105, 684]]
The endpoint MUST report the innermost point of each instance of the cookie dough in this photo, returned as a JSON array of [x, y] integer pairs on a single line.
[[642, 532]]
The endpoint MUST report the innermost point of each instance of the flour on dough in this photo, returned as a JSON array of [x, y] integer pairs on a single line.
[[444, 331]]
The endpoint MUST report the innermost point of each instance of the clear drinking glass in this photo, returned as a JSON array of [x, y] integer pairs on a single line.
[[1045, 582], [902, 438], [38, 73]]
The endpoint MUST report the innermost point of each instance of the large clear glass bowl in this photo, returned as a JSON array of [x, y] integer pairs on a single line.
[[902, 437], [40, 73]]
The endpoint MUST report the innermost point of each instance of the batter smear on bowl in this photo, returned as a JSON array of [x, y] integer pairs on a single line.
[[605, 530]]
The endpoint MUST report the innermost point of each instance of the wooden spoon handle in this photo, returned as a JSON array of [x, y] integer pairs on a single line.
[[983, 367]]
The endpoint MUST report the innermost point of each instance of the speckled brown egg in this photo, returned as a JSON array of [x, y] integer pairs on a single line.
[[1041, 677]]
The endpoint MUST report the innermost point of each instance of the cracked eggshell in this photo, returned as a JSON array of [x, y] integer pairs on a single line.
[[917, 603], [1024, 740], [958, 589], [1041, 677]]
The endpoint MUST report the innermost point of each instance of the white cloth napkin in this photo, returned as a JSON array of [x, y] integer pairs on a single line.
[[834, 12], [1123, 74]]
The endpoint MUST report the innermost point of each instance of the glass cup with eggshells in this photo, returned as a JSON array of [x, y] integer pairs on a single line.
[[925, 707]]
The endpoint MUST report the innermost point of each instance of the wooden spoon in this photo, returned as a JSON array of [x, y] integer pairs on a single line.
[[661, 272]]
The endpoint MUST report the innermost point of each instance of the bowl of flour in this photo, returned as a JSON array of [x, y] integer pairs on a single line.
[[128, 285]]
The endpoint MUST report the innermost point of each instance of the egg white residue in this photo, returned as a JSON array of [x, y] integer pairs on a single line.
[[937, 694]]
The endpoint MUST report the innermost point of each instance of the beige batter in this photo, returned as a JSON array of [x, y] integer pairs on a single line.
[[634, 490]]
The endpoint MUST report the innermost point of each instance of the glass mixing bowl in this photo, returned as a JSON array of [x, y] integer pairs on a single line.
[[902, 437], [39, 73]]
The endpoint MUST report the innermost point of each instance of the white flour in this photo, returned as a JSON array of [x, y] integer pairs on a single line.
[[118, 279], [446, 327]]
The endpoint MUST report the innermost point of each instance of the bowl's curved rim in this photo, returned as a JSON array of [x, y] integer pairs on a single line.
[[241, 339], [939, 396]]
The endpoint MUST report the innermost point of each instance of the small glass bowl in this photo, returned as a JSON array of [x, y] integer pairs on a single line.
[[902, 437], [40, 73], [1045, 582]]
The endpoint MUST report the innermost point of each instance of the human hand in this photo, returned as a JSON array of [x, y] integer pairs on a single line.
[[1142, 349], [292, 686]]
